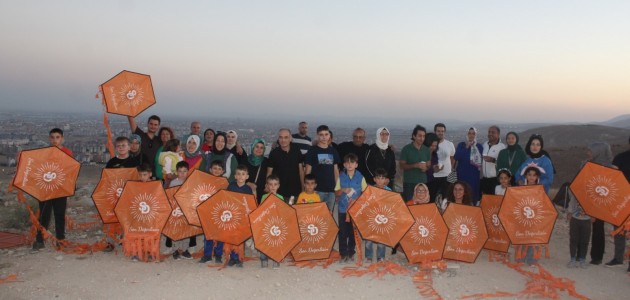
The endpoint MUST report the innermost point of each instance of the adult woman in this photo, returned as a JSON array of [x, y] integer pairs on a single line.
[[233, 146], [381, 155], [208, 140], [165, 134], [468, 160], [257, 166], [192, 152], [420, 195], [537, 158], [220, 153], [432, 141], [459, 193], [513, 156]]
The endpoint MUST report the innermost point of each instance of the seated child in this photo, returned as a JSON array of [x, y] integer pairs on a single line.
[[505, 181]]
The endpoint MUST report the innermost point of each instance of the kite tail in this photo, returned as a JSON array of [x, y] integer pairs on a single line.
[[144, 247], [519, 254], [110, 144], [357, 241]]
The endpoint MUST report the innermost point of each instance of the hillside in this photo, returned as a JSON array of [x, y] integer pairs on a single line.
[[577, 135]]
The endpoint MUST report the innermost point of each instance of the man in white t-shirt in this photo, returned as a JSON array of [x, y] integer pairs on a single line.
[[446, 161], [491, 149]]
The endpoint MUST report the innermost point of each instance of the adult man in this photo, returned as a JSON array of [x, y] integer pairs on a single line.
[[359, 148], [621, 162], [491, 149], [195, 128], [415, 160], [301, 139], [446, 160], [286, 162], [150, 140], [322, 160]]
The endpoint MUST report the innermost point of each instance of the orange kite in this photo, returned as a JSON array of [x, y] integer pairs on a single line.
[[128, 93], [46, 173], [198, 187], [275, 228], [109, 189], [498, 240], [603, 193], [177, 226], [466, 232], [425, 241], [381, 216], [143, 210], [318, 231], [224, 216], [528, 215]]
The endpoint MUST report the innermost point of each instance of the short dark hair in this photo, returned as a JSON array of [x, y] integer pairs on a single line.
[[323, 128], [144, 167], [310, 177], [56, 130], [416, 129], [121, 139], [430, 139], [171, 145], [182, 164], [439, 125], [380, 172], [154, 117], [272, 177], [242, 167], [217, 162], [350, 157], [495, 127]]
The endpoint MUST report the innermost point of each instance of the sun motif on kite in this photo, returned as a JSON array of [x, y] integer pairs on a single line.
[[528, 211], [463, 230], [492, 220], [115, 190], [49, 176], [423, 231], [144, 207], [226, 215], [313, 229], [602, 190], [131, 94], [177, 217], [381, 219], [201, 193], [275, 231]]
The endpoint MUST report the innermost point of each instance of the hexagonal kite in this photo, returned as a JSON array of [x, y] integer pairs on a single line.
[[498, 240], [466, 232], [275, 228], [318, 231], [46, 173], [528, 215], [198, 187], [425, 240], [177, 227], [224, 217], [109, 189], [603, 193], [381, 216], [128, 93]]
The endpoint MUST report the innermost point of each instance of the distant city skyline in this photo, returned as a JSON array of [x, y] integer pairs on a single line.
[[504, 61]]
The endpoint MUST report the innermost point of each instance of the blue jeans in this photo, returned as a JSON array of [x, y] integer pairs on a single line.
[[328, 198], [210, 246], [369, 250]]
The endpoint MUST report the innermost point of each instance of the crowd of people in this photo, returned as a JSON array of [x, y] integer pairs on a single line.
[[300, 169]]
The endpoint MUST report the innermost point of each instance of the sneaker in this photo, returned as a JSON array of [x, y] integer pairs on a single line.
[[239, 264], [186, 255], [37, 246], [218, 260], [572, 264], [342, 260], [231, 262], [264, 263], [613, 263], [393, 250], [596, 262], [135, 259], [368, 261], [275, 265], [583, 264], [380, 260], [205, 259], [176, 255], [350, 259], [109, 248]]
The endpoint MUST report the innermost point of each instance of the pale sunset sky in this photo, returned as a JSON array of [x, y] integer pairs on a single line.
[[503, 60]]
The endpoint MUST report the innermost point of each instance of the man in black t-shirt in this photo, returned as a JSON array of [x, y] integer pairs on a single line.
[[150, 140], [286, 162], [122, 158], [358, 147]]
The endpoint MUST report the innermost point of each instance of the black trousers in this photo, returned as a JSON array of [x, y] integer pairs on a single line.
[[579, 236], [46, 209], [487, 185], [347, 244], [598, 241]]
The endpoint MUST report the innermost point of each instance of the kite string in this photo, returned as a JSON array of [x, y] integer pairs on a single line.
[[110, 144]]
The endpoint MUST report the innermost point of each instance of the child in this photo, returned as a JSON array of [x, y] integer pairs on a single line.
[[421, 195], [322, 160], [505, 181], [309, 195], [216, 169], [272, 185], [239, 185], [348, 188], [579, 233], [380, 181], [144, 172], [182, 172], [169, 159], [532, 177], [55, 206], [123, 157]]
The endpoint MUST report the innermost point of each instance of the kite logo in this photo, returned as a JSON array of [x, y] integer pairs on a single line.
[[204, 197], [49, 176], [381, 219], [177, 213], [463, 230], [144, 207], [275, 231], [313, 228], [226, 216], [132, 93], [529, 212], [602, 190], [426, 231], [115, 190], [495, 220], [118, 192], [201, 193]]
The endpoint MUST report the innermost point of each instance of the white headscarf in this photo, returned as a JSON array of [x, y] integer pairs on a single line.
[[230, 146], [382, 145], [475, 156]]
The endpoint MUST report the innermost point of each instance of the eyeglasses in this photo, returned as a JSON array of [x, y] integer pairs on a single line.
[[421, 191]]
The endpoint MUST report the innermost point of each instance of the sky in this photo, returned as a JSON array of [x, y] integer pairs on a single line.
[[518, 61]]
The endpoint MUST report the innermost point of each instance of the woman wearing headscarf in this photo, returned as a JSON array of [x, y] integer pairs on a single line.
[[513, 156], [536, 158], [468, 160], [192, 152], [381, 155], [208, 140], [257, 167], [220, 153], [234, 147], [421, 195]]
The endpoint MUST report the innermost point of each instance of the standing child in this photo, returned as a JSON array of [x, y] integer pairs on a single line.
[[532, 177], [123, 158], [210, 247], [505, 181], [168, 160], [380, 181], [348, 188], [309, 195], [182, 172], [239, 185], [272, 185], [144, 172], [55, 206], [579, 233]]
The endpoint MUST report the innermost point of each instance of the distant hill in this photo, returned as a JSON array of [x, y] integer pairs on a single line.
[[622, 121], [577, 135]]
